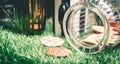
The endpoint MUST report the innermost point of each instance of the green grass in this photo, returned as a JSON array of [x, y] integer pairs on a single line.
[[18, 48]]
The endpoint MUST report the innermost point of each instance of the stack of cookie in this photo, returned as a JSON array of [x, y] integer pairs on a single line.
[[115, 32], [98, 32]]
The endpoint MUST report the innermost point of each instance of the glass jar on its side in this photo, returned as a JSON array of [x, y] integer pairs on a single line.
[[86, 28]]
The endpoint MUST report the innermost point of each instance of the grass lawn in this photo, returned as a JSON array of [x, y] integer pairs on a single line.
[[18, 48]]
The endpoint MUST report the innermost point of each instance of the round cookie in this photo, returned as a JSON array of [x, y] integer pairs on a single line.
[[45, 39], [58, 51], [117, 28], [93, 39], [114, 23], [98, 29], [52, 41], [57, 41]]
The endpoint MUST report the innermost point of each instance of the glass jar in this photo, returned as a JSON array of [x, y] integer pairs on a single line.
[[86, 28]]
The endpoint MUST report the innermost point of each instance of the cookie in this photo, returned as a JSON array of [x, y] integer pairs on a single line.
[[45, 39], [117, 28], [58, 51], [90, 41], [113, 38], [93, 39], [98, 29], [114, 23], [57, 41], [52, 41]]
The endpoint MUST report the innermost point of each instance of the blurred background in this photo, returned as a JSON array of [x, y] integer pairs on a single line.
[[8, 4], [49, 7]]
